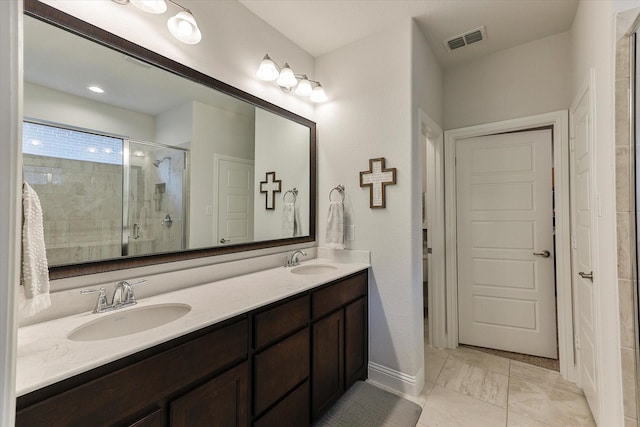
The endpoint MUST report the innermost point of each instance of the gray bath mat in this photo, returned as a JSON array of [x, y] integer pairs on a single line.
[[364, 405]]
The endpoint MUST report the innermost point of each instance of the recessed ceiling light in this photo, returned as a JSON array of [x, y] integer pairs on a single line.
[[92, 149], [96, 89], [107, 150]]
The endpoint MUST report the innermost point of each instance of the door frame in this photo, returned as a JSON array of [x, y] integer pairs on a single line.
[[560, 122], [433, 136]]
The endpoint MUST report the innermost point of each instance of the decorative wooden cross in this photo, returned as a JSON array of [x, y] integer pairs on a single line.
[[377, 178], [270, 186]]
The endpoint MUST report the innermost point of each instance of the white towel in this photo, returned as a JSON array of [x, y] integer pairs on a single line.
[[335, 226], [288, 219], [297, 225], [34, 292]]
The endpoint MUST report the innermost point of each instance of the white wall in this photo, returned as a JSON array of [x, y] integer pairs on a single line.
[[175, 126], [59, 107], [592, 43], [370, 115], [529, 79]]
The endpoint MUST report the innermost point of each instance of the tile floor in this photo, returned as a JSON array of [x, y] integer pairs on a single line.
[[468, 388]]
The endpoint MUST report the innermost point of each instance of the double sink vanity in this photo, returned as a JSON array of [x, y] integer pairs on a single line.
[[256, 349]]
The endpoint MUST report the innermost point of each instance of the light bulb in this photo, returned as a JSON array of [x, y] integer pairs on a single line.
[[183, 26], [151, 6], [318, 94], [268, 71], [304, 87], [287, 78]]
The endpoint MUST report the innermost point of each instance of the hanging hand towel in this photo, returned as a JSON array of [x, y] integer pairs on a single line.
[[288, 219], [297, 231], [34, 292], [335, 226]]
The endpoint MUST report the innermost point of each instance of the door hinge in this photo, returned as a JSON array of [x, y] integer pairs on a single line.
[[572, 145]]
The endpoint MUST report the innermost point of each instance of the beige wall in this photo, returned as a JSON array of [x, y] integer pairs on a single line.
[[529, 79]]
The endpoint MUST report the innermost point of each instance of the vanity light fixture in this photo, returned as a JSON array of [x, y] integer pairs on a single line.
[[95, 89], [182, 25], [287, 80]]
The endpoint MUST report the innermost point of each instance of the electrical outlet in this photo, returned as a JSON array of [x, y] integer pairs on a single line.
[[350, 232]]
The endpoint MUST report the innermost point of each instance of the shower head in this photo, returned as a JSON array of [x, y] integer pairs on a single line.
[[157, 163]]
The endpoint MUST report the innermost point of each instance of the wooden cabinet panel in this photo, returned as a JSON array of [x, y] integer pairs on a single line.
[[279, 369], [154, 419], [355, 342], [292, 411], [328, 363], [335, 296], [280, 321], [128, 391], [221, 402]]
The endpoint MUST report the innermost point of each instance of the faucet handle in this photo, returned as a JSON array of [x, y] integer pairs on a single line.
[[128, 297], [101, 303]]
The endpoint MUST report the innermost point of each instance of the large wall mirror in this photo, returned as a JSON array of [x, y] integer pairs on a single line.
[[140, 160]]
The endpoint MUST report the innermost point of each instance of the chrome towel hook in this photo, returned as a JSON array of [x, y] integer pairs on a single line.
[[340, 189]]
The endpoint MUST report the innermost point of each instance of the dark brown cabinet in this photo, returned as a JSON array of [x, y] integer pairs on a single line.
[[339, 341], [283, 364]]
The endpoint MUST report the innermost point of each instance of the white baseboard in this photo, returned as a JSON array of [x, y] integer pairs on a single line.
[[410, 385]]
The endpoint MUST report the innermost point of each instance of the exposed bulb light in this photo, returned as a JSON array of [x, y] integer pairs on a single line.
[[92, 149], [151, 6], [287, 78], [183, 26], [36, 142], [318, 94], [95, 89], [268, 71], [304, 87]]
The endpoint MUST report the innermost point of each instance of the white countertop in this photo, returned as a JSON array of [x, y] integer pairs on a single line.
[[46, 355]]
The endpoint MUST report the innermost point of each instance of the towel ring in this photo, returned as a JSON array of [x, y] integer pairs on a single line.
[[340, 189], [294, 192]]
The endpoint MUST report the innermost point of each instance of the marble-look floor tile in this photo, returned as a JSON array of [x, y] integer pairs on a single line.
[[475, 382], [545, 377], [428, 350], [549, 404], [446, 408], [516, 420], [476, 358], [432, 366]]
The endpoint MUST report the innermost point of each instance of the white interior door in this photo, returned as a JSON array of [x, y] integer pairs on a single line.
[[506, 280], [234, 184], [583, 237]]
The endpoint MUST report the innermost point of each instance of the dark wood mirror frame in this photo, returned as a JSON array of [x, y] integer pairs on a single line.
[[55, 17]]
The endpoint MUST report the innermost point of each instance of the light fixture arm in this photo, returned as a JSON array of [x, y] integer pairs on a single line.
[[180, 6]]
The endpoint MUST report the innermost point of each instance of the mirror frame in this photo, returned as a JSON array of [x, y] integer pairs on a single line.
[[53, 16]]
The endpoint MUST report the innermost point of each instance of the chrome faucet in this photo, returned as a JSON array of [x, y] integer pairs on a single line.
[[123, 296], [292, 260]]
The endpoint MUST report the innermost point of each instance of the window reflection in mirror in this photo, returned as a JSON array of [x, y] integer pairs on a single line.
[[153, 162]]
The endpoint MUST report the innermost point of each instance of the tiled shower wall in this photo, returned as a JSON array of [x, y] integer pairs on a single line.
[[625, 208], [82, 207]]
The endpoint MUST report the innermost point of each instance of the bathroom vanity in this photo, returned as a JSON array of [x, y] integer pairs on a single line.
[[286, 361]]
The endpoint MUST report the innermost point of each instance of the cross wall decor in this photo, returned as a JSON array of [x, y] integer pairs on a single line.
[[377, 178], [270, 186]]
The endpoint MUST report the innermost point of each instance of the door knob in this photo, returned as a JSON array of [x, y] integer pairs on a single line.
[[588, 275], [543, 254], [223, 240]]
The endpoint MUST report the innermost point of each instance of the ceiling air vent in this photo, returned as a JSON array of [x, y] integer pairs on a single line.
[[466, 39]]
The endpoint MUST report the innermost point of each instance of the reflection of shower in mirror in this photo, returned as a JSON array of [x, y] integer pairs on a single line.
[[157, 163]]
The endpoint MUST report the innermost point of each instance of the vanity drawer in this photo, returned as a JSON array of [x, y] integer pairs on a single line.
[[335, 296], [279, 369], [294, 409], [109, 399], [279, 321]]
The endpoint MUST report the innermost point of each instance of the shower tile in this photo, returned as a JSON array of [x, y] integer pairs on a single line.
[[627, 324], [623, 179], [630, 422], [622, 109], [624, 246], [56, 233], [623, 50], [629, 382]]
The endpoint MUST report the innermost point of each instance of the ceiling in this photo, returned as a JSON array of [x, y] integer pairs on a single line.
[[330, 24]]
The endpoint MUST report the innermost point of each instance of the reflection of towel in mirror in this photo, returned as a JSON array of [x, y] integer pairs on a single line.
[[288, 219], [34, 292], [335, 226]]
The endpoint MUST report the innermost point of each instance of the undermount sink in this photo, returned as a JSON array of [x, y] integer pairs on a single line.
[[312, 269], [129, 321]]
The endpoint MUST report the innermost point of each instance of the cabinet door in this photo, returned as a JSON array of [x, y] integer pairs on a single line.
[[328, 363], [355, 342], [154, 419], [221, 402]]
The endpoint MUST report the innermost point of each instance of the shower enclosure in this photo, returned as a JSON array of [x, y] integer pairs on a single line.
[[104, 196]]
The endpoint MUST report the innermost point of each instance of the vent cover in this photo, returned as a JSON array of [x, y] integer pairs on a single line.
[[466, 39]]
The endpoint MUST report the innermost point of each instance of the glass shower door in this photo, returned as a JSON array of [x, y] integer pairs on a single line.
[[154, 182]]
